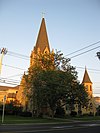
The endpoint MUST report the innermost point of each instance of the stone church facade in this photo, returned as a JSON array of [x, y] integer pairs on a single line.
[[42, 46]]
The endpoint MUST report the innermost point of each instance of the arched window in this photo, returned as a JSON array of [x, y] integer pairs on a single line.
[[90, 88]]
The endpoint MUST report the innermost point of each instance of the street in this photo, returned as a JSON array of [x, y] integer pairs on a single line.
[[73, 127]]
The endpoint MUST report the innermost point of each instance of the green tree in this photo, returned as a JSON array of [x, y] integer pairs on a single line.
[[81, 97], [52, 82], [52, 86], [98, 110], [31, 84]]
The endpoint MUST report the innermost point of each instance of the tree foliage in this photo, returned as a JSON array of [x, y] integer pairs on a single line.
[[51, 83]]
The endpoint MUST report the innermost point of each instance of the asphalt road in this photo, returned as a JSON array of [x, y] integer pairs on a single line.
[[73, 127]]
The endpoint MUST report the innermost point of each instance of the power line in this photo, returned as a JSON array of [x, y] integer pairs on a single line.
[[27, 57], [21, 55], [9, 83], [13, 67], [26, 70], [89, 69], [6, 81], [18, 56], [14, 54], [15, 75], [83, 48], [84, 52], [9, 79]]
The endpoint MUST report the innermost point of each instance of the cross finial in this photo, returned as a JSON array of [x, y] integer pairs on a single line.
[[43, 14]]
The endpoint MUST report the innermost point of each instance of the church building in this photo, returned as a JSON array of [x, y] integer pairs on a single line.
[[42, 46]]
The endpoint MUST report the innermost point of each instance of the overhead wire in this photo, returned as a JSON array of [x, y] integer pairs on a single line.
[[21, 56], [27, 57], [15, 75], [83, 48], [9, 81], [89, 69], [14, 54], [84, 52], [13, 67], [18, 55]]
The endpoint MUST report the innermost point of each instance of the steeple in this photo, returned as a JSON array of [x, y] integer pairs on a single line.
[[42, 42], [86, 78]]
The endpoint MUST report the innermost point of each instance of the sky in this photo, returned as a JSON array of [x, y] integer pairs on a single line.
[[71, 26]]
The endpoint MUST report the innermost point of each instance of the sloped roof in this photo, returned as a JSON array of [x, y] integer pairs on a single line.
[[42, 39], [86, 78], [6, 88]]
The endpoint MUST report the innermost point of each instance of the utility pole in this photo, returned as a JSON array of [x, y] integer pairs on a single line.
[[4, 100], [3, 51]]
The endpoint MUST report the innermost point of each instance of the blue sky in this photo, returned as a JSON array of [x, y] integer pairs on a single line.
[[71, 25]]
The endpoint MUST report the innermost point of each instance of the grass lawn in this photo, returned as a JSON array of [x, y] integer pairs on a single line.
[[21, 120], [87, 118]]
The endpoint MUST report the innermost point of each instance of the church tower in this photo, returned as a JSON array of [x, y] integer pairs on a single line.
[[42, 43], [87, 83], [42, 47], [88, 86]]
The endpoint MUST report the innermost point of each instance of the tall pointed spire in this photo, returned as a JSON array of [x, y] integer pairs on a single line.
[[42, 42], [86, 78]]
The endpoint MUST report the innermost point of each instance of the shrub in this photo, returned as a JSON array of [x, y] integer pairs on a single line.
[[73, 113], [26, 114], [60, 112]]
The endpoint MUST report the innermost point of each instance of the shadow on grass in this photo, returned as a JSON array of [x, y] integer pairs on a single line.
[[9, 119]]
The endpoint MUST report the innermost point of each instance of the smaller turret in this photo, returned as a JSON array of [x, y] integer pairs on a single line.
[[87, 83]]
